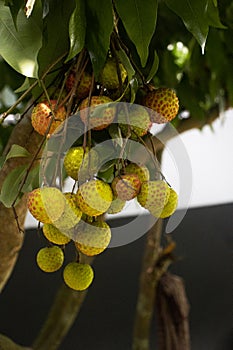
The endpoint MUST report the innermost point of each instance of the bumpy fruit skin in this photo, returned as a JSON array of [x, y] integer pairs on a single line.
[[93, 239], [97, 118], [46, 204], [78, 276], [140, 170], [164, 105], [70, 216], [42, 115], [126, 187], [53, 235], [109, 77], [94, 197], [50, 259], [154, 196], [75, 159], [138, 119], [171, 205], [116, 206], [83, 87]]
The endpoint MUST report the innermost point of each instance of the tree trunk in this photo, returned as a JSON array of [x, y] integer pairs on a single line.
[[10, 237]]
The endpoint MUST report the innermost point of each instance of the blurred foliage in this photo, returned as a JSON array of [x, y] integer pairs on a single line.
[[166, 43]]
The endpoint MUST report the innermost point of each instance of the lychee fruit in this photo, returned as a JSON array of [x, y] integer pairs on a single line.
[[109, 76], [140, 170], [53, 235], [50, 259], [154, 196], [100, 114], [126, 187], [84, 84], [46, 204], [42, 118], [164, 105], [116, 206], [92, 239], [76, 158], [136, 122], [94, 197], [78, 276], [70, 216], [171, 205]]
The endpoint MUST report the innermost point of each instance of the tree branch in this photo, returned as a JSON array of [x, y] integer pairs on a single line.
[[10, 238], [61, 317]]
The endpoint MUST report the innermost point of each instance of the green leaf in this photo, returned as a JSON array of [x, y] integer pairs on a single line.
[[24, 86], [193, 14], [17, 151], [32, 180], [14, 7], [139, 20], [100, 26], [77, 29], [126, 63], [197, 16], [154, 68], [10, 187], [20, 47], [56, 41]]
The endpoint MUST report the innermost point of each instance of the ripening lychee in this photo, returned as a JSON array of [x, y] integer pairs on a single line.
[[109, 75], [126, 187], [84, 84], [134, 122], [94, 197], [116, 206], [46, 204], [92, 239], [54, 235], [140, 170], [70, 216], [100, 114], [50, 259], [78, 276], [79, 163], [154, 196], [43, 120], [171, 205], [164, 105]]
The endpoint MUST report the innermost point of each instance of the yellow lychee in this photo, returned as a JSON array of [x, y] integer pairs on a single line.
[[171, 205], [78, 276], [54, 235], [50, 259], [94, 197], [109, 75], [116, 206]]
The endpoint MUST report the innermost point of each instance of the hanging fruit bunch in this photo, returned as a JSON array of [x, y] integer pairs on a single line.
[[114, 105]]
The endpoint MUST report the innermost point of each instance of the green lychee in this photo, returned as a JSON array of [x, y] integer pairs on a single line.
[[78, 276], [171, 205], [109, 76], [93, 239], [94, 197], [50, 259], [154, 196]]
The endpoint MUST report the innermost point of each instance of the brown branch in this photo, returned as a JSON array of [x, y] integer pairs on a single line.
[[148, 282], [8, 344], [173, 312], [10, 238], [61, 317]]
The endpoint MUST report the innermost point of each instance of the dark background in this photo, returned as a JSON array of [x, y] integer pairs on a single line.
[[204, 244]]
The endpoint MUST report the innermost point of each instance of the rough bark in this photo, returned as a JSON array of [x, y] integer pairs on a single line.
[[173, 313], [147, 290], [10, 238]]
